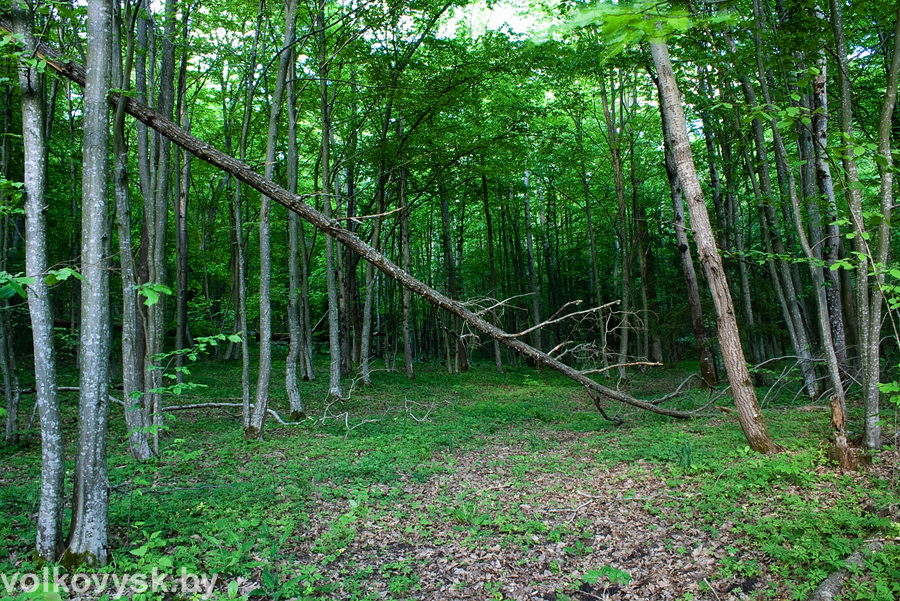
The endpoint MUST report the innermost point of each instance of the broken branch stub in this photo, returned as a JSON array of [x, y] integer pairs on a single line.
[[332, 227]]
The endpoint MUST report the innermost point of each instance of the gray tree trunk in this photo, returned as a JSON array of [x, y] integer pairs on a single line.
[[239, 230], [7, 356], [49, 542], [87, 542], [872, 434], [296, 352], [532, 277], [868, 362], [261, 407], [832, 230], [156, 215], [132, 365], [334, 324]]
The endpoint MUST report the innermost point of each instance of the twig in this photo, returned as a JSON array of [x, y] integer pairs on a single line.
[[672, 395], [559, 319], [359, 219], [617, 365], [712, 589], [271, 412]]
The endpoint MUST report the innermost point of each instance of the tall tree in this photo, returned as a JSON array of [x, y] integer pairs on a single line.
[[87, 542], [49, 542], [748, 409], [132, 365], [260, 409]]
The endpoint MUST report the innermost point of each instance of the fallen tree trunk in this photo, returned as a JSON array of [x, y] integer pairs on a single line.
[[332, 227]]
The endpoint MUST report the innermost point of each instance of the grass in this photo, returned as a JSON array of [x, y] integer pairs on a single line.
[[501, 466]]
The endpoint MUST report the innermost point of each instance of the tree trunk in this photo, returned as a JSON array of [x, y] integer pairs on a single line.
[[532, 277], [707, 366], [613, 138], [7, 356], [87, 542], [180, 211], [872, 434], [239, 230], [156, 213], [296, 352], [498, 360], [132, 364], [748, 409], [260, 408], [832, 230], [49, 543], [407, 294], [334, 335]]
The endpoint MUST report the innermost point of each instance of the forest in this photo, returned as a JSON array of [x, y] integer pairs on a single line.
[[441, 300]]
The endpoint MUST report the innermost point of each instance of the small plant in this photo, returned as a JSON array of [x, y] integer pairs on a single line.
[[613, 575]]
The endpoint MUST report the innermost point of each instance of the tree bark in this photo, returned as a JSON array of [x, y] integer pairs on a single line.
[[296, 352], [498, 359], [49, 542], [239, 228], [7, 356], [334, 335], [532, 277], [332, 228], [872, 434], [87, 542], [749, 414], [132, 364], [260, 408]]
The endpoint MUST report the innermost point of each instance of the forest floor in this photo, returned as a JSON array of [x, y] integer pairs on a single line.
[[479, 486]]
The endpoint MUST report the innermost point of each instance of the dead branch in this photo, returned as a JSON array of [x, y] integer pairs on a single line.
[[600, 370], [672, 395], [359, 219], [554, 320], [477, 302], [296, 203], [271, 412]]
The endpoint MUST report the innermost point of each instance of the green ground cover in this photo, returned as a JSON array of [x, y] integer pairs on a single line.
[[484, 486]]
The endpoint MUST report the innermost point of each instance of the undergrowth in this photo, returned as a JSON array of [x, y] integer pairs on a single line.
[[213, 502]]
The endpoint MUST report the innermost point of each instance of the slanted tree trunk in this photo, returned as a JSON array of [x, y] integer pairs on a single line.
[[49, 543], [132, 364], [332, 228], [707, 366], [87, 542], [749, 413]]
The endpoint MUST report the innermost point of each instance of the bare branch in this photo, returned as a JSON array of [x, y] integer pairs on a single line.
[[553, 320], [618, 365]]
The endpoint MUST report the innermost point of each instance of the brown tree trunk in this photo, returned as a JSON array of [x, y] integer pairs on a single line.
[[748, 409]]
